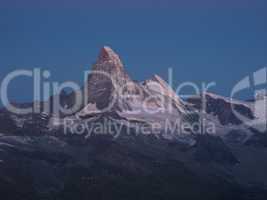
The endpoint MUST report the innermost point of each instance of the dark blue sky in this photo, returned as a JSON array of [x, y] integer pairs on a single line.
[[207, 41]]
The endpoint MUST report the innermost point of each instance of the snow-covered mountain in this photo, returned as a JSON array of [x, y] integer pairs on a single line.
[[111, 94], [114, 95], [109, 86], [39, 159]]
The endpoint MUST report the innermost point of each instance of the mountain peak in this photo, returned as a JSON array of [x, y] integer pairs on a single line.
[[107, 52], [108, 55], [108, 75]]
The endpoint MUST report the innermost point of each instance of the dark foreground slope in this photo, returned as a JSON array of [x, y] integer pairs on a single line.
[[47, 167]]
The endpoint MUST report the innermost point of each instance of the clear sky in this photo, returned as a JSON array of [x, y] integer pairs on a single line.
[[220, 41]]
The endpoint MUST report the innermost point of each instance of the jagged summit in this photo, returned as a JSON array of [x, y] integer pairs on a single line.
[[108, 75], [110, 89], [108, 59], [108, 66], [107, 53]]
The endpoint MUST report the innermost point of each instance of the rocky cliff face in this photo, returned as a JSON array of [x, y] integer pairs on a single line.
[[110, 89], [106, 76], [222, 108]]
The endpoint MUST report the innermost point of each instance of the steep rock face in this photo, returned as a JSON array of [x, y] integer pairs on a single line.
[[107, 74], [222, 108], [107, 82], [110, 89]]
